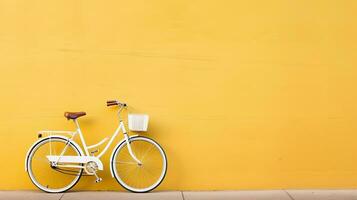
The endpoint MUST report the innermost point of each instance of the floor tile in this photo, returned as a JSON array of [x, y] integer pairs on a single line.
[[237, 195], [323, 194], [28, 195], [122, 195]]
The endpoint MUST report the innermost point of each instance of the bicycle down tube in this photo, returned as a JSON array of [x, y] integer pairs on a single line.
[[86, 148]]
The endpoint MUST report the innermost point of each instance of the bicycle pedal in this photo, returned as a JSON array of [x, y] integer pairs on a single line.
[[98, 179]]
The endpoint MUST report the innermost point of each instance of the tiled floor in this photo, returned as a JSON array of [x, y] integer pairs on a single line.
[[187, 195]]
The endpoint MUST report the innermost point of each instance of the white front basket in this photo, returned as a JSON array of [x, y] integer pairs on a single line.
[[138, 122]]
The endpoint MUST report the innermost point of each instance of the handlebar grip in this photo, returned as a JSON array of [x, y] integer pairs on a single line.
[[111, 104], [115, 102]]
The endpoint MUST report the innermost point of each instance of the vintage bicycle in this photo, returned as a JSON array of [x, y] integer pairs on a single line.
[[55, 162]]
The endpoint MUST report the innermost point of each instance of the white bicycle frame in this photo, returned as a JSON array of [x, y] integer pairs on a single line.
[[88, 157], [67, 161]]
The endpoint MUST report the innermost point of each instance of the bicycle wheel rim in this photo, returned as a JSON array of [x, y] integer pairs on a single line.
[[124, 175], [42, 175]]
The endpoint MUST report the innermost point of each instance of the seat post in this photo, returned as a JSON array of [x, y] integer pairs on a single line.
[[81, 137], [76, 123]]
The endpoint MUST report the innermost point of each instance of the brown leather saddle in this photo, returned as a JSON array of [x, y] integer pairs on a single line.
[[74, 115]]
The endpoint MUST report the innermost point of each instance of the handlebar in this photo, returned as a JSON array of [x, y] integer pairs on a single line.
[[115, 103]]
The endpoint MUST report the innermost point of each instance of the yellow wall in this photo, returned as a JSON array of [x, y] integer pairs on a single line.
[[241, 94]]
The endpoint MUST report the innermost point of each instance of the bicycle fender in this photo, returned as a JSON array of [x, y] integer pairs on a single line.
[[52, 136], [111, 157]]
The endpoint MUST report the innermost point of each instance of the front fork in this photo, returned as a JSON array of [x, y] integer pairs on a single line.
[[130, 150]]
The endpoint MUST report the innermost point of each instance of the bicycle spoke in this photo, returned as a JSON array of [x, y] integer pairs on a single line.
[[148, 150], [123, 162], [149, 172], [42, 159], [128, 173]]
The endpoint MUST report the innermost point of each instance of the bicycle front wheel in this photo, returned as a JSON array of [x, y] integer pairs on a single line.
[[49, 178], [142, 177]]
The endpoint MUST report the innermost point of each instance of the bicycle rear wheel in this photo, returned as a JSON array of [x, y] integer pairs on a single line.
[[46, 176], [139, 178]]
